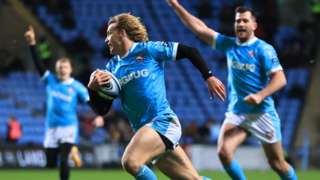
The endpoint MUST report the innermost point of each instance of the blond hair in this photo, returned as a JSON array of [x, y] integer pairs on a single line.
[[132, 25]]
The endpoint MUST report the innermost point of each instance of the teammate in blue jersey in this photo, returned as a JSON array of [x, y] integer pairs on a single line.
[[63, 95], [254, 74], [139, 65]]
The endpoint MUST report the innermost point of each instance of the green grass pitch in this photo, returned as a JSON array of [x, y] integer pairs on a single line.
[[106, 174]]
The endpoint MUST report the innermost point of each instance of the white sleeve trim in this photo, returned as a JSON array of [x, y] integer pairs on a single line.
[[215, 36], [278, 68], [46, 74], [174, 51]]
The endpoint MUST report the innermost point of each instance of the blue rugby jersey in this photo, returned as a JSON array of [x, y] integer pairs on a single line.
[[62, 100], [249, 66], [141, 75]]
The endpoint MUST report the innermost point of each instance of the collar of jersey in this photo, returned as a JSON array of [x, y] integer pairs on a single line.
[[130, 50], [69, 81], [247, 43]]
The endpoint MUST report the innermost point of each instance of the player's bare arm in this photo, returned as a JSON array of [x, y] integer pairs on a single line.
[[277, 81], [197, 26]]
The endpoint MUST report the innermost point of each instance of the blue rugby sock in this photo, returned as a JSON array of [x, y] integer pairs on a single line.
[[145, 173], [290, 175], [234, 170], [205, 178]]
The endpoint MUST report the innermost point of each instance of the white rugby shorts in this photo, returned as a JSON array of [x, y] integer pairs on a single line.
[[57, 135], [265, 126], [169, 126]]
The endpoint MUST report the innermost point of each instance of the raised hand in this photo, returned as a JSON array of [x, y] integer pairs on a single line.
[[216, 87], [30, 36]]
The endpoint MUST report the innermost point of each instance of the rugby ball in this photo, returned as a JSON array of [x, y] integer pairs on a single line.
[[111, 90]]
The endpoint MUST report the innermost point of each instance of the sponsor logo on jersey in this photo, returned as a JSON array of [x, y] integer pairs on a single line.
[[242, 66], [61, 96], [134, 75]]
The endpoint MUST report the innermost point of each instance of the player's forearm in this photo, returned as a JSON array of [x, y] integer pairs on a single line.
[[277, 81], [192, 22], [197, 26], [195, 58], [39, 65]]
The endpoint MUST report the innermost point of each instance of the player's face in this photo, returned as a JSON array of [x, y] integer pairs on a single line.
[[114, 39], [63, 69], [244, 26]]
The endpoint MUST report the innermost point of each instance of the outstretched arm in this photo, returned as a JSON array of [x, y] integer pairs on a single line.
[[197, 26], [277, 81], [31, 39], [214, 84]]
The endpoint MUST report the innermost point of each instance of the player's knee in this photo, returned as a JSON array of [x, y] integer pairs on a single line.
[[225, 155], [130, 165]]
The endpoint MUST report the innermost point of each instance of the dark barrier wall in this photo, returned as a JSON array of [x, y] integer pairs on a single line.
[[34, 157]]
